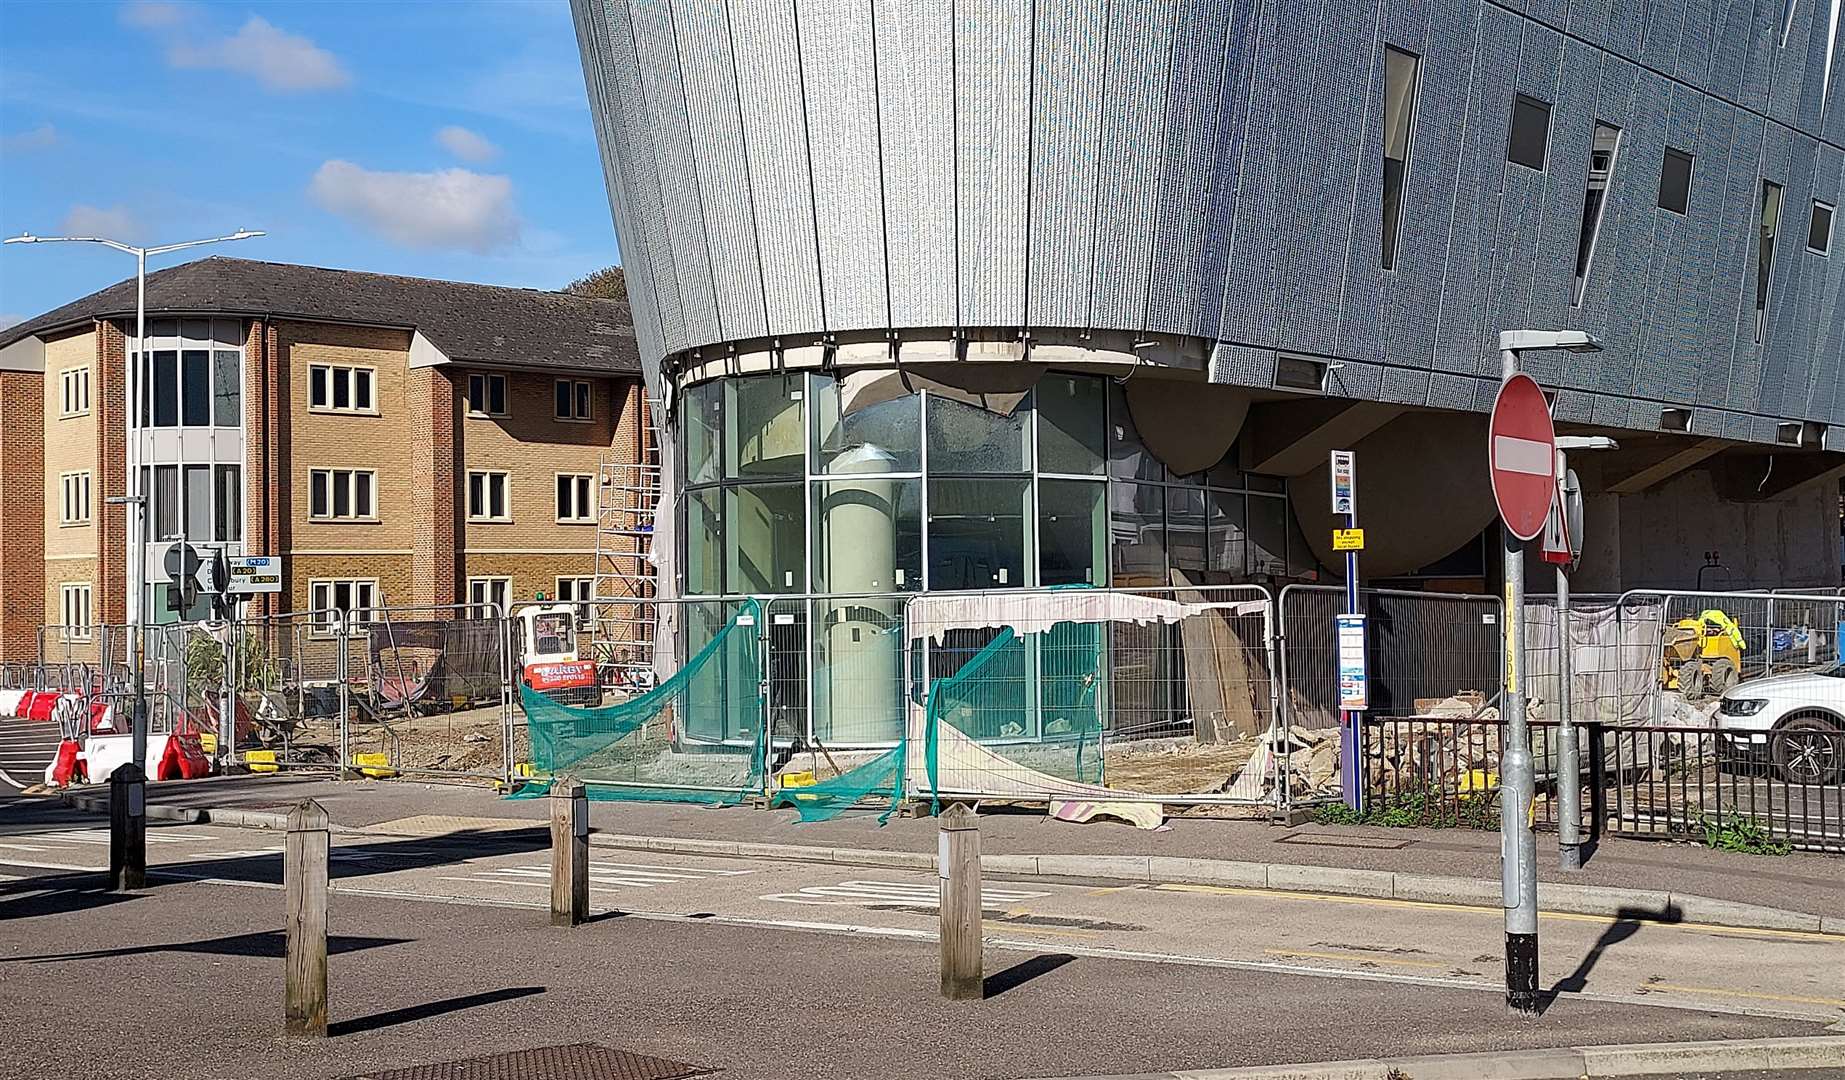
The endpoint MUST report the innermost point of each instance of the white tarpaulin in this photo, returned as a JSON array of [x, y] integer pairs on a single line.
[[929, 616]]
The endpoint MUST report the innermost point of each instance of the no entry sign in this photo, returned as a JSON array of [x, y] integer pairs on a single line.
[[1522, 453]]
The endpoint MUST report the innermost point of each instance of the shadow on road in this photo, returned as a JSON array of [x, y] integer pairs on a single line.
[[1627, 923], [261, 943], [1023, 972], [408, 1013]]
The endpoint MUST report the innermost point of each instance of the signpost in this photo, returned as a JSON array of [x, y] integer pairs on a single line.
[[1563, 547], [1350, 627], [1522, 458]]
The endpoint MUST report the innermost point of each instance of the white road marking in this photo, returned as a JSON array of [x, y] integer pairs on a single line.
[[894, 894], [623, 875], [100, 837]]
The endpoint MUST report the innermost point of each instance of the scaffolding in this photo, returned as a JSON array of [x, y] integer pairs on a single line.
[[623, 586]]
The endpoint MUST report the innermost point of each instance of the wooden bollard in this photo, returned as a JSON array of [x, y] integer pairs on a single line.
[[569, 853], [304, 881], [127, 828], [958, 866]]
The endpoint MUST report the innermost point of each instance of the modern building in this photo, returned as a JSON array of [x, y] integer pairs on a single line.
[[1013, 295], [397, 441]]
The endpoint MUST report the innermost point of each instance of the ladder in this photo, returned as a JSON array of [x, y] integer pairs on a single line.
[[622, 588]]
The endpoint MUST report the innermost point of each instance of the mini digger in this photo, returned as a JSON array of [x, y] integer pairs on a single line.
[[1702, 657]]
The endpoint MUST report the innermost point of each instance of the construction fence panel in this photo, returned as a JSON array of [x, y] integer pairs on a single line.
[[1614, 658], [1713, 642], [430, 690], [287, 675]]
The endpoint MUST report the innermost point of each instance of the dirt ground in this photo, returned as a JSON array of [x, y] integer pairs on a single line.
[[1176, 766]]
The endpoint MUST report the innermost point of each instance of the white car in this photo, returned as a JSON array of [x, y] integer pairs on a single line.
[[1794, 722]]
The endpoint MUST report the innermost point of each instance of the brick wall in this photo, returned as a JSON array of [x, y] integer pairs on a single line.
[[109, 403], [433, 411], [22, 536]]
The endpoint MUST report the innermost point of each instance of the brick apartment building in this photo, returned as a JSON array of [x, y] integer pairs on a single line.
[[398, 440]]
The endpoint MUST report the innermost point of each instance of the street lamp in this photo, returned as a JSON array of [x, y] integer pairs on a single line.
[[1517, 774], [136, 499], [1569, 754]]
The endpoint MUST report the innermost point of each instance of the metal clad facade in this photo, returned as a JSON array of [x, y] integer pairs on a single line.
[[1212, 169]]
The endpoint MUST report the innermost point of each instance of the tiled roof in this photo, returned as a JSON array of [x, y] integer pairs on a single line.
[[478, 324]]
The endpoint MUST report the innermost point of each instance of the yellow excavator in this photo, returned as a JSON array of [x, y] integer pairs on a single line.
[[1702, 657]]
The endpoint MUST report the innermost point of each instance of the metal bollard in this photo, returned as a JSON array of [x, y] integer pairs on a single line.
[[958, 866], [569, 853], [304, 883], [127, 828]]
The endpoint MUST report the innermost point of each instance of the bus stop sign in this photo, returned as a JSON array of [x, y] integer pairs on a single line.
[[1522, 454]]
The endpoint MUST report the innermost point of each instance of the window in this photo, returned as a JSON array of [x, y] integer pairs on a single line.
[[1595, 200], [576, 498], [191, 373], [195, 388], [1765, 255], [487, 395], [198, 502], [487, 497], [1819, 231], [1400, 70], [572, 399], [165, 389], [484, 591], [336, 388], [1675, 181], [74, 387], [75, 488], [329, 599], [227, 503], [227, 388], [343, 495], [1530, 133], [74, 610], [580, 591], [165, 491]]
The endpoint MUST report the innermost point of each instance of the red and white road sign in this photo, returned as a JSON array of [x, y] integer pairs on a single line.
[[1522, 454]]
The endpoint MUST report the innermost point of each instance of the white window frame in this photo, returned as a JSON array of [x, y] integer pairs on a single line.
[[487, 585], [320, 606], [578, 393], [74, 491], [1832, 227], [352, 408], [585, 515], [76, 629], [487, 517], [370, 516], [74, 392], [486, 380], [585, 603]]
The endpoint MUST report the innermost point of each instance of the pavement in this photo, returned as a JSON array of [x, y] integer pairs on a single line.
[[774, 967], [1676, 881]]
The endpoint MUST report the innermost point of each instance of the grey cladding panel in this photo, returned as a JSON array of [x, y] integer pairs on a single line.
[[993, 81], [664, 93], [1133, 149], [916, 104], [842, 112], [1071, 47]]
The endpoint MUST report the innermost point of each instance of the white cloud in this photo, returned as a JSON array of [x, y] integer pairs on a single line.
[[467, 145], [38, 138], [114, 222], [453, 208], [153, 14], [281, 61]]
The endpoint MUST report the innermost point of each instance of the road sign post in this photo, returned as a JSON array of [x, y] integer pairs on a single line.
[[1351, 540], [1521, 454]]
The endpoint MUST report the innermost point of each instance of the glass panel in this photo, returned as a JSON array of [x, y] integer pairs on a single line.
[[1137, 520], [318, 503], [1399, 109], [968, 439], [361, 389], [198, 503], [867, 535], [1185, 533], [583, 400], [566, 505], [1128, 459], [166, 389], [1765, 255], [195, 389], [1268, 537], [227, 390], [1675, 181], [1072, 424], [858, 672], [766, 538], [317, 387], [1227, 545], [342, 388], [227, 333], [1530, 133], [196, 332], [1072, 532], [704, 542], [881, 437], [1302, 566], [978, 533], [166, 502], [704, 418], [362, 494], [1601, 169], [228, 509], [1819, 230], [763, 432], [342, 493], [477, 495], [496, 394]]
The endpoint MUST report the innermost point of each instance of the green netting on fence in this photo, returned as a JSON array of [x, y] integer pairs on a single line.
[[697, 737], [881, 776]]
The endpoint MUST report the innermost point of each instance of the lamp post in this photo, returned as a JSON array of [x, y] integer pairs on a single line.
[[136, 499], [1569, 752], [1517, 775]]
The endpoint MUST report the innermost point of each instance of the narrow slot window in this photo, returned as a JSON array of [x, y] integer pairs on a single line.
[[1530, 141], [1765, 255], [1819, 229], [1400, 74], [1675, 181], [1595, 201]]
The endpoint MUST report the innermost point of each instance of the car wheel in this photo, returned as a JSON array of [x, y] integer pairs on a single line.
[[1723, 676], [1808, 750], [1691, 679]]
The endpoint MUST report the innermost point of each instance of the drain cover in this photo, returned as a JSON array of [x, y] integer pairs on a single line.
[[577, 1061]]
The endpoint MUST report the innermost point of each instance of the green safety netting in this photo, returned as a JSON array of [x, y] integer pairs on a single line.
[[823, 801], [697, 737]]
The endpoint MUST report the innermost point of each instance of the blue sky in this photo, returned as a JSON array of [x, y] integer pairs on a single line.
[[439, 138]]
